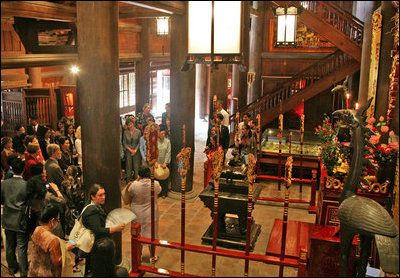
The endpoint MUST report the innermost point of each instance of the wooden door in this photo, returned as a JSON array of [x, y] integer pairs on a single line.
[[40, 102]]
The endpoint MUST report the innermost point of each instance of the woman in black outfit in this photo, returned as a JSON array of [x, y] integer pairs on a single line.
[[94, 218], [44, 139], [66, 156]]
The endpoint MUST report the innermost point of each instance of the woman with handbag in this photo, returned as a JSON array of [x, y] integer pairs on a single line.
[[141, 201], [94, 219], [163, 160], [49, 255]]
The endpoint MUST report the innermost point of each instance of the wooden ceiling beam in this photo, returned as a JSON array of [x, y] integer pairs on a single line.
[[137, 12], [51, 11], [132, 27], [45, 60], [38, 9], [168, 7]]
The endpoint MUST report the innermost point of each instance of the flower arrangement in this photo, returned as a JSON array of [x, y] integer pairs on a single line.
[[332, 151], [385, 141]]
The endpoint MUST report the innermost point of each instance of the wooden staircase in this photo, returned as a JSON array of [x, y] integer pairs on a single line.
[[304, 85], [339, 27], [333, 23]]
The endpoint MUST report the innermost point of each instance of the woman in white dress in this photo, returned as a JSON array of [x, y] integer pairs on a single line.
[[78, 145], [141, 201]]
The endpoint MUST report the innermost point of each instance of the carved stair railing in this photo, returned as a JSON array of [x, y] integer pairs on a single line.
[[304, 85], [330, 21], [332, 14]]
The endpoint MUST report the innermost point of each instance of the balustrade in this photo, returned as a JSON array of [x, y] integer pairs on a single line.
[[343, 21]]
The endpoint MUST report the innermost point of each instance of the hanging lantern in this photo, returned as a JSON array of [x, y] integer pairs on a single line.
[[162, 26], [214, 32], [287, 23]]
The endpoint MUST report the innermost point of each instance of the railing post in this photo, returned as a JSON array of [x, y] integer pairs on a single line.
[[302, 270], [136, 250], [312, 208], [205, 181]]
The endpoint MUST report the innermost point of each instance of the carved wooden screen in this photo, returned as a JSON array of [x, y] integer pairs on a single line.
[[12, 112], [41, 102]]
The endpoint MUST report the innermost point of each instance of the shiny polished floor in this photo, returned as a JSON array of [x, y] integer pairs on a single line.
[[198, 220]]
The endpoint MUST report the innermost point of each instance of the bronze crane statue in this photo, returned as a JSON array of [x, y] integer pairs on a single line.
[[361, 215]]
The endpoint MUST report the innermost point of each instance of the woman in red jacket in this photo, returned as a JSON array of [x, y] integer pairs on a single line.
[[32, 157]]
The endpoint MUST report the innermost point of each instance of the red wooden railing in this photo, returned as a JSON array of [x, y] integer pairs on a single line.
[[139, 270], [299, 82], [338, 18]]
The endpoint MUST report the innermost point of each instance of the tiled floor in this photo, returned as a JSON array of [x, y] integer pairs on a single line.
[[198, 219]]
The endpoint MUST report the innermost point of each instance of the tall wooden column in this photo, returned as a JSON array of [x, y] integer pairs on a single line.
[[142, 68], [219, 85], [202, 89], [385, 61], [366, 56], [97, 81], [35, 77], [256, 43], [182, 104]]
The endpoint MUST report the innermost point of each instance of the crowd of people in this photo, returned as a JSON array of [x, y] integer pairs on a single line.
[[42, 195]]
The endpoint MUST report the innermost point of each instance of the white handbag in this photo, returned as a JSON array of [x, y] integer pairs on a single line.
[[83, 237]]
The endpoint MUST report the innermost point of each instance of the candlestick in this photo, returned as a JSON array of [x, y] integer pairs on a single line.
[[357, 106], [348, 100]]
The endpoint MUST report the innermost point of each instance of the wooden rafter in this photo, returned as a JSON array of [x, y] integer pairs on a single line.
[[138, 12], [38, 9], [53, 11], [131, 27], [43, 60], [168, 7]]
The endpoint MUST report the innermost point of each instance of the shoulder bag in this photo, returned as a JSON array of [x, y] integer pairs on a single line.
[[83, 237]]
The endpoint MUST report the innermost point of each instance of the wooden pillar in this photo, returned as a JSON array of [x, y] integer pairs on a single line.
[[365, 59], [35, 77], [202, 89], [256, 43], [385, 62], [98, 78], [245, 53], [182, 104], [142, 68], [218, 86]]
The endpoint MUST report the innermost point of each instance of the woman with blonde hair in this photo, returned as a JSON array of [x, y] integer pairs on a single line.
[[78, 145]]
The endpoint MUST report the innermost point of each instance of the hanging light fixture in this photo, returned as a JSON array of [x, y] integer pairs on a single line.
[[162, 26], [214, 32], [287, 23]]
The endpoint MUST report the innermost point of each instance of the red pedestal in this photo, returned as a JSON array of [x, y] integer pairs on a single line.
[[297, 236], [324, 252]]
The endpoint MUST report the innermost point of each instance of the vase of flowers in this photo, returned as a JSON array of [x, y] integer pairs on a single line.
[[384, 154], [332, 151]]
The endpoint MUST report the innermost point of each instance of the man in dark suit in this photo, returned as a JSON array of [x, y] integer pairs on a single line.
[[34, 127], [223, 133], [14, 218], [53, 170]]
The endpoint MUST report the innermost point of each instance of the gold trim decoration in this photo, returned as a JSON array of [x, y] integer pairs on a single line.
[[251, 77], [251, 166], [183, 158], [217, 163], [333, 183], [376, 187], [374, 66], [395, 208], [288, 172], [151, 133], [394, 75], [258, 117]]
